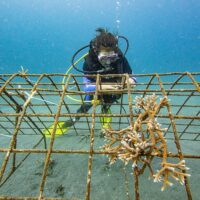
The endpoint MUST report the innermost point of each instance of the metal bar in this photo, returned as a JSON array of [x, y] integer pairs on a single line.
[[87, 195], [17, 106], [189, 125], [178, 146], [97, 115], [52, 141], [77, 85], [66, 106], [136, 181], [196, 84], [80, 75], [118, 104], [27, 198], [2, 88], [148, 85], [5, 161], [171, 155], [136, 174], [20, 163]]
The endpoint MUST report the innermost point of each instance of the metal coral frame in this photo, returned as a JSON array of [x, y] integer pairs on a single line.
[[13, 90]]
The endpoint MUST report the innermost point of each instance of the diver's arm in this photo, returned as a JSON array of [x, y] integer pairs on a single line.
[[109, 87], [127, 69], [91, 86]]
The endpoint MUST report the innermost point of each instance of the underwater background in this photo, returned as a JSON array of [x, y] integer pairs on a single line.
[[42, 35]]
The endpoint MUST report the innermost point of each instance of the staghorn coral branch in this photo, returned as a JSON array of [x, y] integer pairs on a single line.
[[142, 141]]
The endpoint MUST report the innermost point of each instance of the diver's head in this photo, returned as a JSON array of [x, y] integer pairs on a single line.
[[107, 55], [105, 46]]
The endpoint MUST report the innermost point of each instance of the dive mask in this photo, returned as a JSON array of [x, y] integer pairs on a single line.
[[106, 58]]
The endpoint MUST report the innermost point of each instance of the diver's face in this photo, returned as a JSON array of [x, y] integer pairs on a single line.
[[106, 56]]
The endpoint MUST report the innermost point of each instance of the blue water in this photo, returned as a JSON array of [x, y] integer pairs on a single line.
[[42, 35]]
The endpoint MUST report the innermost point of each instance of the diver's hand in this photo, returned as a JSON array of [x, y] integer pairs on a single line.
[[131, 82]]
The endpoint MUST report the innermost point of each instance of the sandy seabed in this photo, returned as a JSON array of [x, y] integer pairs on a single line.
[[67, 174]]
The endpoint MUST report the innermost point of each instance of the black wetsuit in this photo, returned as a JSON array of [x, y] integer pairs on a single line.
[[91, 63]]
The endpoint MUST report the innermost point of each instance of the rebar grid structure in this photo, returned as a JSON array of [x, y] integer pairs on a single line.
[[30, 103]]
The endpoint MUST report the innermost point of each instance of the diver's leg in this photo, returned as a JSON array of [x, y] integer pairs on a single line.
[[108, 101], [83, 109], [85, 106], [105, 108], [106, 120]]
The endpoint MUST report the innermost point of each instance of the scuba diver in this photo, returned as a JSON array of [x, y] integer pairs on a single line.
[[104, 57]]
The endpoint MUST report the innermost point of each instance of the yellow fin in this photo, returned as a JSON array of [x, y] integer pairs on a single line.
[[60, 130], [106, 121]]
